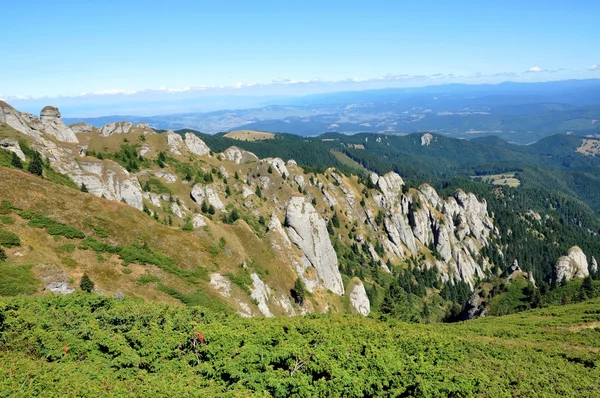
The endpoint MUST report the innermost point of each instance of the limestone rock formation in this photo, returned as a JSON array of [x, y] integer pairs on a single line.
[[426, 139], [221, 284], [308, 231], [108, 179], [50, 118], [278, 165], [196, 145], [261, 293], [200, 193], [16, 120], [238, 156], [115, 128], [175, 143], [80, 128], [12, 145], [574, 265], [358, 297], [594, 266]]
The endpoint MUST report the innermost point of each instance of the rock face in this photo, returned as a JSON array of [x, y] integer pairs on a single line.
[[80, 128], [201, 193], [13, 146], [175, 143], [110, 180], [358, 297], [115, 128], [426, 139], [261, 293], [594, 266], [50, 118], [573, 265], [238, 156], [279, 166], [196, 145], [308, 231], [15, 119]]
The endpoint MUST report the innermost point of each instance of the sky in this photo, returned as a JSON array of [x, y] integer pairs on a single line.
[[107, 50]]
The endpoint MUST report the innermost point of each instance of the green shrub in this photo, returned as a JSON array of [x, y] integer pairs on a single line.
[[53, 227], [6, 219], [147, 278], [86, 284], [9, 239]]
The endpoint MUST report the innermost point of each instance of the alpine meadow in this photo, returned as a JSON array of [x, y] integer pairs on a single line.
[[299, 199]]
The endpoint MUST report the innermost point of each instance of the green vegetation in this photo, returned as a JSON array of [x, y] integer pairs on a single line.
[[86, 284], [53, 227], [16, 279], [130, 348], [9, 239]]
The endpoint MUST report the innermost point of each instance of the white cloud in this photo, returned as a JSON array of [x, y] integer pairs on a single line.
[[594, 67], [535, 69]]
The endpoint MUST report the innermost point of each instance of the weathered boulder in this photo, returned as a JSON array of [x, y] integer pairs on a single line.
[[108, 179], [261, 293], [50, 118], [278, 165], [80, 128], [221, 284], [115, 128], [196, 145], [175, 142], [165, 175], [237, 155], [200, 193], [308, 231], [426, 139], [12, 145], [358, 297], [16, 120], [198, 221], [574, 265]]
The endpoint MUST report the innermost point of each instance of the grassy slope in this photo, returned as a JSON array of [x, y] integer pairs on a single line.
[[198, 252], [86, 345]]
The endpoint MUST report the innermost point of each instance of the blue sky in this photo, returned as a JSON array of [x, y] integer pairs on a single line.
[[68, 48]]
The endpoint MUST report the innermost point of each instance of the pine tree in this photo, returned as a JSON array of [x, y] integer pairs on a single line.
[[270, 170], [83, 188], [16, 162], [258, 191], [3, 256], [86, 284], [204, 207], [36, 166]]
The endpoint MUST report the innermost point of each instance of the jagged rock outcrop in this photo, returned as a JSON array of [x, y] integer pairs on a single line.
[[50, 118], [198, 221], [12, 145], [110, 180], [200, 193], [594, 266], [165, 175], [574, 265], [261, 294], [196, 145], [308, 231], [115, 128], [358, 297], [16, 120], [221, 284], [175, 143], [238, 156], [80, 128], [426, 139], [278, 165]]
